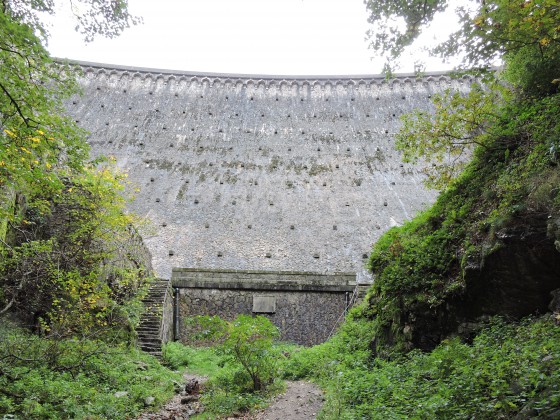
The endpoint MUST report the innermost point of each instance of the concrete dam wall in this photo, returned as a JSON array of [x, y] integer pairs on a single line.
[[240, 172]]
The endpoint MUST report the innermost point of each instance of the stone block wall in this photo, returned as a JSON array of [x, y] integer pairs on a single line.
[[306, 307]]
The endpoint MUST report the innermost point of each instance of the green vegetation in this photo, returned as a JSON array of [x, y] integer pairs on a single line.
[[45, 377], [71, 267], [487, 31], [66, 265], [421, 267], [244, 363], [493, 151], [508, 370]]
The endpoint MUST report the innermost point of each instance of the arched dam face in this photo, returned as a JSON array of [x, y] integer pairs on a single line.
[[259, 172]]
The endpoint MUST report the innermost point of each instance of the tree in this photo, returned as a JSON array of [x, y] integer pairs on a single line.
[[93, 17], [525, 35], [63, 221], [445, 137], [488, 30], [38, 144]]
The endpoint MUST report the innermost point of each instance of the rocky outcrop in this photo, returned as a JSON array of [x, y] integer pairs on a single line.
[[516, 278]]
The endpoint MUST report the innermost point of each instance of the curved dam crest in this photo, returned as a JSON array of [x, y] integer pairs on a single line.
[[242, 172]]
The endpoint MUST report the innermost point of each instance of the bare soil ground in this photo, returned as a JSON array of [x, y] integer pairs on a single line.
[[301, 401], [182, 406]]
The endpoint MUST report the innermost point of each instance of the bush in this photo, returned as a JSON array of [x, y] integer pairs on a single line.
[[509, 370], [176, 356], [249, 341], [249, 361], [45, 378]]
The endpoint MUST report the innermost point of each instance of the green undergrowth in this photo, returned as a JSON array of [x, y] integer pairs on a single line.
[[44, 378], [508, 370], [201, 361], [420, 267], [228, 389]]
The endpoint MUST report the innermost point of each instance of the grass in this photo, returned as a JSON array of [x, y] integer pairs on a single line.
[[226, 391], [510, 369], [77, 378]]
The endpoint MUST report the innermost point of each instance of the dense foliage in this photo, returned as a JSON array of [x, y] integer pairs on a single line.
[[67, 262], [77, 378], [71, 263], [493, 151], [420, 267], [244, 361], [508, 370]]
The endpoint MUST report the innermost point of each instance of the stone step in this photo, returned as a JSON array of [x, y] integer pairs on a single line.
[[148, 334], [147, 329], [150, 340], [150, 327], [150, 348], [150, 324]]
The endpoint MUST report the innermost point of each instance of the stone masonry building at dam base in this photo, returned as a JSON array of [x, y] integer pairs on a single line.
[[259, 173]]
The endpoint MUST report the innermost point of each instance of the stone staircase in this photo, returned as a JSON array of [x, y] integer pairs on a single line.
[[149, 328], [362, 291]]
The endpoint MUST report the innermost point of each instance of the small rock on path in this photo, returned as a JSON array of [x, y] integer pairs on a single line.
[[177, 408], [301, 401]]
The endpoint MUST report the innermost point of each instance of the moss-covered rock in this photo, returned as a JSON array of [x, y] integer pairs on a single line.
[[489, 245]]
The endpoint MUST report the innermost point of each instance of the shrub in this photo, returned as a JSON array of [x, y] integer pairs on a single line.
[[176, 356], [70, 378], [509, 370], [249, 341]]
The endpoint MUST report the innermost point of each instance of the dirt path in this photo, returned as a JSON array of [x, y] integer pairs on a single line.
[[183, 405], [301, 401]]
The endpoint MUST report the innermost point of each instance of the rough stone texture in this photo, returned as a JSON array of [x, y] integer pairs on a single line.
[[259, 172], [133, 254], [305, 312], [513, 280]]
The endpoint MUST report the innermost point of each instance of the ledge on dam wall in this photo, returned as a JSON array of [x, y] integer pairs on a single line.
[[259, 172]]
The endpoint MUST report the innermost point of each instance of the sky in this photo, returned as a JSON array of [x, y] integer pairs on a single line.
[[278, 37]]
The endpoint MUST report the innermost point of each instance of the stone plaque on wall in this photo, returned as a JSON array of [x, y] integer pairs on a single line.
[[264, 304]]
